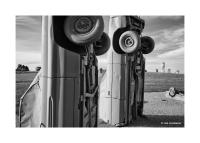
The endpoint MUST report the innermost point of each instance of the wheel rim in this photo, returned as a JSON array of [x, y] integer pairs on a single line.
[[83, 25], [129, 41], [172, 92]]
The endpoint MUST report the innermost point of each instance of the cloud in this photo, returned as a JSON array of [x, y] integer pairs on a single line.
[[172, 53], [155, 23], [166, 17], [28, 33], [173, 34], [167, 40], [168, 34]]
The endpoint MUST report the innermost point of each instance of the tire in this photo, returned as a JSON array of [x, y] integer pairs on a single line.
[[129, 42], [83, 30], [115, 40], [120, 36], [147, 44], [102, 45], [61, 39]]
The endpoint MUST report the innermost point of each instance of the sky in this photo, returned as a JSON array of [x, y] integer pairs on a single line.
[[167, 31]]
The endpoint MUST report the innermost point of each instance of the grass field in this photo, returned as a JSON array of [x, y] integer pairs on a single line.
[[154, 82], [159, 82]]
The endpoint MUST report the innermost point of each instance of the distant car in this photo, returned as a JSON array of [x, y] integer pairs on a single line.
[[173, 92]]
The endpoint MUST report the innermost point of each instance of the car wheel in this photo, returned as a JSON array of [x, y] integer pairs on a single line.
[[115, 41], [83, 30], [129, 42], [147, 44], [102, 45]]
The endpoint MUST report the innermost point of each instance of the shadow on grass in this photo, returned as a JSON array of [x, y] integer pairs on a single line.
[[158, 121]]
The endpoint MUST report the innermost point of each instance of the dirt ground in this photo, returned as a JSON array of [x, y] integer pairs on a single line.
[[161, 111]]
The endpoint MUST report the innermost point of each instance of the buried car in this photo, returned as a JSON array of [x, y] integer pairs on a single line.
[[68, 93], [122, 90]]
